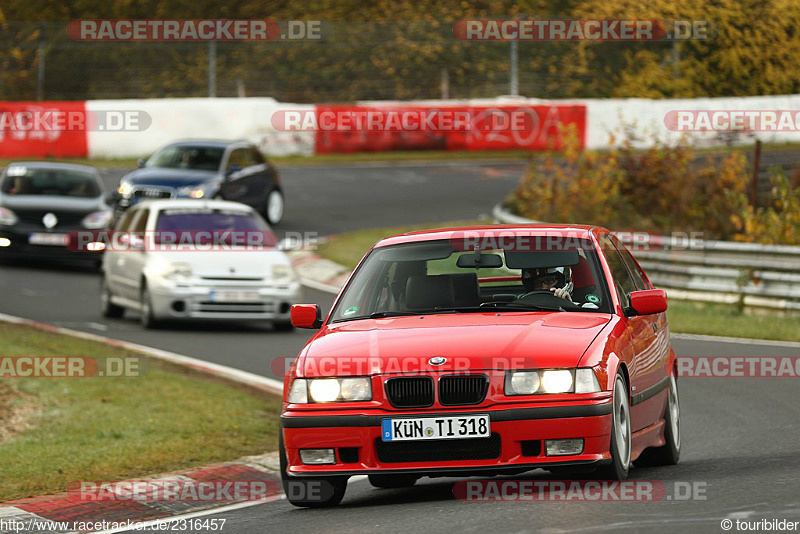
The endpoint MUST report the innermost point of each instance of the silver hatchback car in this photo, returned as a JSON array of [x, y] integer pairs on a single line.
[[196, 259]]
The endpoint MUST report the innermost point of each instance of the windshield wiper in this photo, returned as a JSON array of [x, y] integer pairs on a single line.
[[520, 306]]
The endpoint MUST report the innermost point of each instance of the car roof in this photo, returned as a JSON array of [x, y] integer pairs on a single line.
[[161, 205], [214, 143], [53, 165], [576, 231]]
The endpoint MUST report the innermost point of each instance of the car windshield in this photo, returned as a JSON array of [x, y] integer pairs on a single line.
[[51, 182], [442, 277], [211, 220], [192, 157], [233, 227]]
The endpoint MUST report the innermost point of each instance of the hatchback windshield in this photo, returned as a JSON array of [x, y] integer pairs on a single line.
[[51, 182], [435, 277], [184, 220], [203, 158]]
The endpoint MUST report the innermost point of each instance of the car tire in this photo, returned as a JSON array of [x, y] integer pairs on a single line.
[[107, 308], [273, 207], [146, 316], [620, 445], [392, 481], [670, 452], [326, 491], [282, 326]]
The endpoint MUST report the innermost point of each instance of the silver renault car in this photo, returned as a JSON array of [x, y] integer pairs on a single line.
[[196, 259]]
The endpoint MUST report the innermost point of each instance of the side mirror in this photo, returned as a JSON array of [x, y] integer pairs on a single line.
[[140, 163], [649, 302], [306, 316]]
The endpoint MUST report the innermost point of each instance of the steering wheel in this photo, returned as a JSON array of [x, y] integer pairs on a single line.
[[544, 297]]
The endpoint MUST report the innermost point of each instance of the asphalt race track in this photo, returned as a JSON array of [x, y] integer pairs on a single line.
[[740, 436]]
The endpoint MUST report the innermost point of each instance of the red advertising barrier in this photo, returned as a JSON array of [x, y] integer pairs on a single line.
[[342, 128], [43, 129]]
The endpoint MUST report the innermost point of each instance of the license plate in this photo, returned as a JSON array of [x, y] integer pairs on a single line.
[[54, 240], [424, 428], [234, 296]]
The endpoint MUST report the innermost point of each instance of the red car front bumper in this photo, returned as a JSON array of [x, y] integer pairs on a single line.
[[516, 444]]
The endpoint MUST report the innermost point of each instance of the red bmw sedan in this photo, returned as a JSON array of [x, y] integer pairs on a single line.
[[482, 351]]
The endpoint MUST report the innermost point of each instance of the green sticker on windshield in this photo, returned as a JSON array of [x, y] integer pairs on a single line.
[[350, 311], [591, 297]]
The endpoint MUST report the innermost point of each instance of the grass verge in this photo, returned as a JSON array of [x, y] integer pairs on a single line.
[[684, 316], [117, 428]]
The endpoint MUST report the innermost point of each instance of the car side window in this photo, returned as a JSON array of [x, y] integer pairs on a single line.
[[256, 157], [240, 157], [141, 221], [124, 224], [623, 280], [634, 269]]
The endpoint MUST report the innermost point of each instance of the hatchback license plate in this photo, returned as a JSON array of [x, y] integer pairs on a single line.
[[234, 296], [424, 428]]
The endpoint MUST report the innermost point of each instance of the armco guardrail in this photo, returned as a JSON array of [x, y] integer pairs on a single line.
[[755, 275]]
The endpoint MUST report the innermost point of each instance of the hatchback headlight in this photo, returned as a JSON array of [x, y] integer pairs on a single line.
[[282, 274], [330, 390], [97, 220], [551, 381], [7, 217], [178, 271]]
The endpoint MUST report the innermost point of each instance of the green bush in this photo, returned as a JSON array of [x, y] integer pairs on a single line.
[[664, 188]]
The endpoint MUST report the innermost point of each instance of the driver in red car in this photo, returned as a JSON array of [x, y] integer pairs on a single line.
[[557, 280]]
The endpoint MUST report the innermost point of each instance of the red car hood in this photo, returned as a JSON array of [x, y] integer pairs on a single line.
[[467, 341]]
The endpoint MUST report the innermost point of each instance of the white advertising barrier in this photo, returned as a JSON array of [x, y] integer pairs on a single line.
[[194, 118], [250, 118], [647, 117]]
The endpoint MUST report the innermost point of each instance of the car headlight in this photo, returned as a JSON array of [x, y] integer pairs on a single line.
[[8, 217], [191, 191], [330, 390], [125, 189], [178, 271], [557, 381], [586, 381], [282, 274], [97, 220], [551, 381]]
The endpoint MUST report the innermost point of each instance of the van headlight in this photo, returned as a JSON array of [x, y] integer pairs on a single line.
[[191, 191], [125, 189], [8, 217], [97, 220], [551, 381]]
